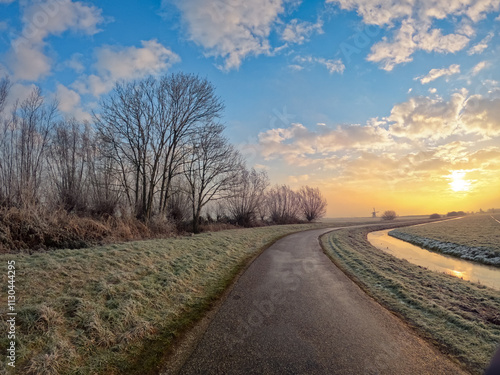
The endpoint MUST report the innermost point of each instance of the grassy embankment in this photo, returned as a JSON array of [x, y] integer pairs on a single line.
[[475, 238], [116, 309], [461, 318]]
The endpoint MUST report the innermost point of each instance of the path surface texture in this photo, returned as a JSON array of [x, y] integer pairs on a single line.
[[294, 312]]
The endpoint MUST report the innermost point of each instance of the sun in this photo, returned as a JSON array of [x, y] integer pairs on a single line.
[[458, 182]]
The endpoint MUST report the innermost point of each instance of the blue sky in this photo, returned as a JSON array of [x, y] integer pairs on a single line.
[[374, 101]]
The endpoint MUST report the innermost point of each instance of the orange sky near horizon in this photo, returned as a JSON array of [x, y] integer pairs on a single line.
[[455, 192], [430, 155]]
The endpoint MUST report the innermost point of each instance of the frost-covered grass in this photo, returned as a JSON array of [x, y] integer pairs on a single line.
[[116, 309], [461, 318], [475, 238]]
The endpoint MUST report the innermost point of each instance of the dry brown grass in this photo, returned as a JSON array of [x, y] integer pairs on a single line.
[[38, 230]]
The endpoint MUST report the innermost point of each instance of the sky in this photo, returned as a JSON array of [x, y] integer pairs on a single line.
[[381, 104]]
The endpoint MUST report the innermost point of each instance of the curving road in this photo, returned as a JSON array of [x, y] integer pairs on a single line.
[[294, 312]]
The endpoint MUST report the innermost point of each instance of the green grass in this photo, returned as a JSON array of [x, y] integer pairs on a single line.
[[461, 318], [116, 309]]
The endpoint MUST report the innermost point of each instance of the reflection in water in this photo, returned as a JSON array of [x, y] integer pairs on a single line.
[[458, 274], [486, 275]]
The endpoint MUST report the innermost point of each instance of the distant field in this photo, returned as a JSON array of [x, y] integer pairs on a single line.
[[368, 220], [116, 309], [475, 238]]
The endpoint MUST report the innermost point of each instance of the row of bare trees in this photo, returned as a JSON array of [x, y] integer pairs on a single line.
[[155, 148], [255, 201]]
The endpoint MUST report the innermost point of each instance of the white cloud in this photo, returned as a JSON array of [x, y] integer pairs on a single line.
[[18, 93], [432, 90], [27, 59], [481, 46], [430, 119], [297, 179], [28, 62], [482, 115], [411, 38], [70, 103], [231, 30], [132, 62], [377, 12], [385, 12], [466, 29], [427, 118], [397, 52], [75, 63], [437, 73], [333, 66], [297, 143], [94, 85], [415, 31], [114, 64], [434, 41], [478, 67], [300, 31], [53, 17], [262, 167]]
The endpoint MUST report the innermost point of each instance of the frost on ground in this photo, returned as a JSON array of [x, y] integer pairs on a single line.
[[477, 254]]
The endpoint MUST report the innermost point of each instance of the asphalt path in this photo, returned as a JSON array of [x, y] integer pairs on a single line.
[[294, 312]]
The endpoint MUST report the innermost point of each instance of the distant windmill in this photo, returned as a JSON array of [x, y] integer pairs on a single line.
[[374, 213]]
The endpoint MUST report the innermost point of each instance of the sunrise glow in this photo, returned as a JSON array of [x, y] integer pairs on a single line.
[[458, 182]]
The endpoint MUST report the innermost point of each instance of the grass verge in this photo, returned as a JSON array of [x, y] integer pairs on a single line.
[[461, 318], [116, 309]]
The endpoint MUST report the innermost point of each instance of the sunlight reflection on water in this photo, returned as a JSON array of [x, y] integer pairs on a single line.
[[486, 275]]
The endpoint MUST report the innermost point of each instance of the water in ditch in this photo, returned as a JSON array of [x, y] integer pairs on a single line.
[[475, 272]]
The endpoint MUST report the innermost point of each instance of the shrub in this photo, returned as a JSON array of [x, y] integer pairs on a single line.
[[389, 215]]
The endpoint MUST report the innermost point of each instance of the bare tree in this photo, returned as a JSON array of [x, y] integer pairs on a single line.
[[146, 125], [187, 101], [179, 207], [312, 202], [6, 168], [105, 187], [4, 92], [248, 197], [69, 155], [284, 205], [211, 169], [24, 139], [127, 127], [263, 208], [389, 215]]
